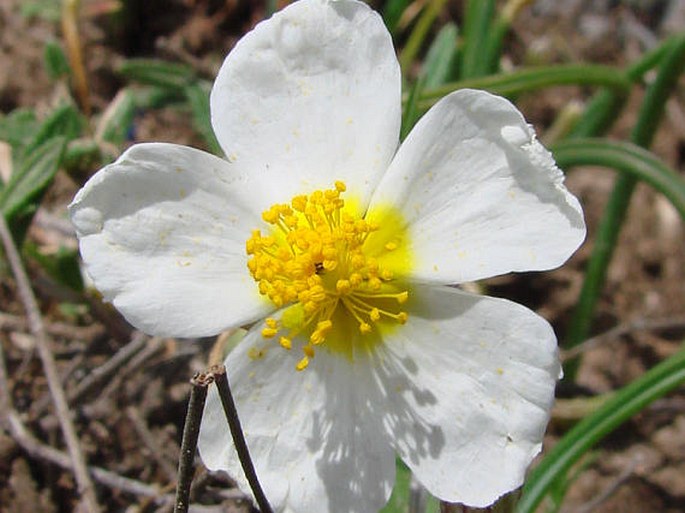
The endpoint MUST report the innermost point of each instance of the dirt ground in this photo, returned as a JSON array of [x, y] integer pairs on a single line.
[[129, 421]]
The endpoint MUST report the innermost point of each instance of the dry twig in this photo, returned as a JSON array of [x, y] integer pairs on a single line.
[[191, 431], [152, 347], [85, 485], [97, 375], [11, 421], [148, 440], [222, 385], [623, 329], [56, 329], [72, 40]]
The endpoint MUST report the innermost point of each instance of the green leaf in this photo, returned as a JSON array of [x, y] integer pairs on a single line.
[[649, 116], [198, 98], [62, 266], [630, 400], [440, 58], [28, 183], [605, 106], [155, 97], [627, 158], [530, 79], [48, 10], [170, 75], [432, 505], [419, 33], [392, 13], [65, 121], [56, 63], [17, 128], [81, 157], [411, 113], [116, 122], [399, 500], [477, 24]]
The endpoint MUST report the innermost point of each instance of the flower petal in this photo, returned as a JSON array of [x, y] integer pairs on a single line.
[[315, 442], [311, 96], [480, 195], [470, 383], [162, 232]]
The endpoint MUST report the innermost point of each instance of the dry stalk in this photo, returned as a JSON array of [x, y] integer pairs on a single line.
[[85, 485]]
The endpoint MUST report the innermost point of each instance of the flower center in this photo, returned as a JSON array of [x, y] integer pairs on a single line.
[[332, 266]]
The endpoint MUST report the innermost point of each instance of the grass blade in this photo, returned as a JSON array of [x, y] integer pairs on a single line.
[[651, 111], [529, 79], [28, 183], [198, 99], [654, 384], [419, 33], [477, 23], [441, 56], [627, 158]]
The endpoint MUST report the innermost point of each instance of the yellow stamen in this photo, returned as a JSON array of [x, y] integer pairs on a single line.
[[269, 332], [302, 364], [320, 255]]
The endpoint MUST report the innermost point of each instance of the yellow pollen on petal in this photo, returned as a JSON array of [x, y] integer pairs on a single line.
[[269, 332], [336, 273], [302, 364], [285, 342]]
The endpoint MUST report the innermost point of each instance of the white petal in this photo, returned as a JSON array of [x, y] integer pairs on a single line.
[[315, 442], [470, 383], [162, 232], [311, 96], [480, 194]]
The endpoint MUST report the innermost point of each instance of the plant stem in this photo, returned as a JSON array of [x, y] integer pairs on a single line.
[[221, 380], [628, 159], [623, 404], [191, 431], [529, 79], [605, 106], [418, 35], [478, 18], [650, 114], [85, 485]]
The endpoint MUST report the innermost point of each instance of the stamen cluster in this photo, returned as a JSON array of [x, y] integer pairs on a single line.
[[314, 259]]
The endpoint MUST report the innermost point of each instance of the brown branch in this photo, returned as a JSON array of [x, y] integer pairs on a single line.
[[153, 346], [97, 375], [11, 422], [148, 439], [56, 329], [191, 432], [85, 485], [72, 41], [5, 396], [674, 323], [36, 449], [221, 380]]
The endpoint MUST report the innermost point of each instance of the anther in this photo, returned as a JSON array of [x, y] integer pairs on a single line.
[[269, 332], [313, 262]]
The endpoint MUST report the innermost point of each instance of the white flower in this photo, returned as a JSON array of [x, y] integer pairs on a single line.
[[354, 277]]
